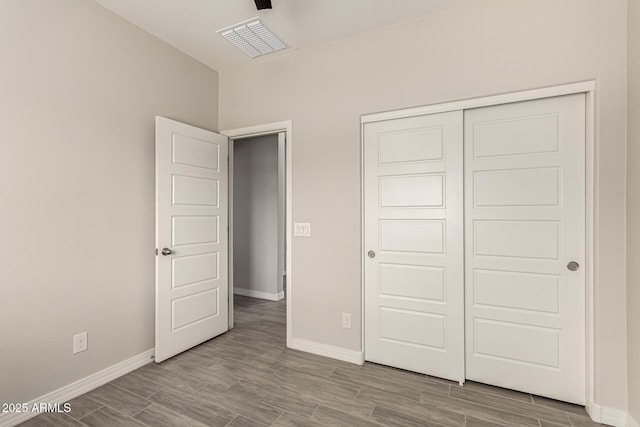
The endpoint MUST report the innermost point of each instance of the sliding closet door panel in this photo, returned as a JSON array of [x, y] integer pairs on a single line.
[[524, 224], [414, 244]]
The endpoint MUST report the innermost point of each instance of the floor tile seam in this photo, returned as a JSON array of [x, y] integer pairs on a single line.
[[281, 410], [585, 415], [341, 386], [488, 393], [107, 407], [396, 382], [314, 411], [139, 376], [261, 400], [189, 376], [485, 406], [449, 390], [90, 412], [288, 410], [573, 425], [233, 413], [104, 404], [128, 391], [242, 362], [156, 392], [418, 416], [151, 403], [321, 364], [212, 357], [466, 417], [143, 423], [232, 420], [518, 413], [280, 416], [381, 388]]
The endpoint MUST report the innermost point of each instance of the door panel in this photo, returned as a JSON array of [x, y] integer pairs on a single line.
[[525, 221], [191, 221], [413, 222]]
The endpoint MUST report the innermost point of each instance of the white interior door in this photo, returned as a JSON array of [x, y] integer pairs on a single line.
[[525, 224], [414, 304], [191, 236]]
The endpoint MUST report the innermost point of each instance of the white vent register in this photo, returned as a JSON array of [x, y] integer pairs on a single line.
[[253, 38]]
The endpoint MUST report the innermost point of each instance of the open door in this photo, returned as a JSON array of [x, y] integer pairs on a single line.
[[192, 285]]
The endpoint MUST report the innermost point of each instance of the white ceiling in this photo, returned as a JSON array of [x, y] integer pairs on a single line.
[[191, 25]]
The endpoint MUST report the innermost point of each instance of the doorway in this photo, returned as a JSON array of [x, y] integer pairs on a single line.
[[258, 204], [281, 134]]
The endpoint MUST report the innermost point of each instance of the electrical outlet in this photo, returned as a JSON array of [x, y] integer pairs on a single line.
[[346, 320], [80, 342]]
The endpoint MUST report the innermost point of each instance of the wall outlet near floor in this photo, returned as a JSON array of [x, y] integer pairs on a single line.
[[302, 229], [346, 320], [80, 342]]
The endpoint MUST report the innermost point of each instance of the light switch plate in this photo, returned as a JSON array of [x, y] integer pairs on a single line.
[[302, 229]]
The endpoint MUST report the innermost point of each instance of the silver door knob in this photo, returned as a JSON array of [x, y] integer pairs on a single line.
[[166, 251], [573, 266], [371, 254]]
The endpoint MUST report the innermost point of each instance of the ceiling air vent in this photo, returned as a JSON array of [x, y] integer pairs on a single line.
[[253, 38]]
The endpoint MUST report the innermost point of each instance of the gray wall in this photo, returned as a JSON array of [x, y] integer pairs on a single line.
[[255, 215], [482, 47], [633, 207], [79, 93]]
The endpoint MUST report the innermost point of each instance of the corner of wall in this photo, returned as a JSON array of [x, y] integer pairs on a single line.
[[633, 211]]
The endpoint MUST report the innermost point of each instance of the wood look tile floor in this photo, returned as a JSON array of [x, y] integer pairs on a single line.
[[247, 377]]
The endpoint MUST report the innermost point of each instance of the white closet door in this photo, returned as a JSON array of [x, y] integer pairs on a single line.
[[525, 225], [414, 304]]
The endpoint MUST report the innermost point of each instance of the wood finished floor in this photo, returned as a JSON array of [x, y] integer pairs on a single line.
[[247, 377]]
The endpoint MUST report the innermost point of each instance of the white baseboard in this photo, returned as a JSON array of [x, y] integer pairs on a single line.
[[631, 422], [258, 294], [68, 392], [339, 353], [610, 416]]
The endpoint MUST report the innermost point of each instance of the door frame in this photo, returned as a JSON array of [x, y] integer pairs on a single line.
[[591, 200], [250, 132]]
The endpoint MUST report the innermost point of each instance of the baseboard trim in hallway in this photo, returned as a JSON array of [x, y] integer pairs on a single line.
[[258, 294], [70, 391], [326, 350]]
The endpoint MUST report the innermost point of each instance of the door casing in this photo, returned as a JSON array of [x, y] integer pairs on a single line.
[[249, 132], [586, 87]]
